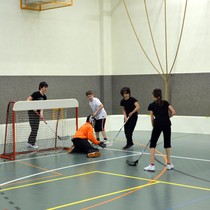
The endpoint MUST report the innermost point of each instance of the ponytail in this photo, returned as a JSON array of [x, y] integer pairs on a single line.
[[157, 93]]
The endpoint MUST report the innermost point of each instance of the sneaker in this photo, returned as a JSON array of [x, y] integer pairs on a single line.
[[127, 146], [93, 154], [105, 139], [150, 168], [170, 166], [70, 149], [32, 146]]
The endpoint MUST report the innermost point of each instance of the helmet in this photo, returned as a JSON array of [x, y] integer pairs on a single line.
[[91, 120]]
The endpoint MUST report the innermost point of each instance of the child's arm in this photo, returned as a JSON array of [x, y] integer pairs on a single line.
[[152, 117], [172, 110], [98, 109], [137, 107]]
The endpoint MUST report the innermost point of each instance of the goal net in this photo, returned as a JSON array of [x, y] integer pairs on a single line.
[[50, 123]]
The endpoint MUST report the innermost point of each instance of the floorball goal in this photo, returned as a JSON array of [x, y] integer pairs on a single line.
[[52, 125]]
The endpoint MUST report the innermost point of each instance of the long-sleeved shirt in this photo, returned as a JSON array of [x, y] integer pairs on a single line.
[[86, 132]]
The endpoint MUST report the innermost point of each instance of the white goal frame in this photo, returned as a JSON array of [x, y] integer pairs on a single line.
[[21, 106]]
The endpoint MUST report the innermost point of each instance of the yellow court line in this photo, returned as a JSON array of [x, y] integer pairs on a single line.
[[159, 181], [46, 181], [122, 175], [126, 190], [101, 196], [107, 173], [184, 185]]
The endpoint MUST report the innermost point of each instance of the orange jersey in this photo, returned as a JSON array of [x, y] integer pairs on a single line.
[[86, 132]]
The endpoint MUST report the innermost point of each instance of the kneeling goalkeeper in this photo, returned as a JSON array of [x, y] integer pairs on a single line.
[[81, 137]]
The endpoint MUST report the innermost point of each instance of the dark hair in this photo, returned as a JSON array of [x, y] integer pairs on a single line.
[[89, 92], [125, 90], [157, 93], [42, 84], [88, 117]]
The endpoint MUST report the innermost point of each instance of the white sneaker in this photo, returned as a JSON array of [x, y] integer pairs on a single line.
[[150, 168], [170, 166], [32, 146]]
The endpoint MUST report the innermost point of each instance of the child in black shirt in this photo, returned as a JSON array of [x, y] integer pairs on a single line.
[[159, 113], [130, 111], [33, 116]]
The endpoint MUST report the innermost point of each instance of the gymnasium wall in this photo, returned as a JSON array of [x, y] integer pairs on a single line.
[[189, 94], [91, 45], [193, 51], [65, 41]]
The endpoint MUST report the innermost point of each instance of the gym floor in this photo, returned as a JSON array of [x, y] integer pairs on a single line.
[[72, 181]]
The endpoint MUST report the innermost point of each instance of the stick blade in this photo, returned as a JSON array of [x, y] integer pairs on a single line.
[[109, 144], [132, 163]]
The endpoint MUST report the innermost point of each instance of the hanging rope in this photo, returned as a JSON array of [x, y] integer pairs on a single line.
[[166, 38], [180, 37], [152, 37], [164, 75], [140, 41]]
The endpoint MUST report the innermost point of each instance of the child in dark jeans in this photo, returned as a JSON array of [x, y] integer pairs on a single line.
[[34, 114], [130, 111]]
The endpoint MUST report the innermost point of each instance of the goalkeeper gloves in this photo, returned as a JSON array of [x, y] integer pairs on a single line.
[[101, 144]]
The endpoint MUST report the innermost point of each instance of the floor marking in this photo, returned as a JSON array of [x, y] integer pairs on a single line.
[[30, 180], [162, 155], [43, 169], [128, 193], [101, 196], [87, 163], [47, 181], [34, 158], [185, 186], [189, 158], [159, 181], [62, 168], [125, 193]]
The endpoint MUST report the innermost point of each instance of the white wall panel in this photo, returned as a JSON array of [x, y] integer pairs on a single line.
[[55, 42], [127, 56]]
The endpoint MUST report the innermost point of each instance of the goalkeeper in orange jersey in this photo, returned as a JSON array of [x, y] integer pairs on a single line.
[[82, 137]]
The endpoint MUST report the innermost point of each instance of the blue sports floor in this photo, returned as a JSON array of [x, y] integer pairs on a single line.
[[72, 181]]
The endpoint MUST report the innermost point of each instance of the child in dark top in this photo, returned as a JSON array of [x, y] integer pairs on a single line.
[[34, 116], [159, 113], [130, 111]]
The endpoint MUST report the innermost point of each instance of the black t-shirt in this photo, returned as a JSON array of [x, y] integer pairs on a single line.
[[129, 105], [160, 112], [38, 96]]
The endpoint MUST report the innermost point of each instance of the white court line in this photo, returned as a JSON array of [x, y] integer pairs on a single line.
[[62, 168], [176, 157], [87, 163], [119, 150]]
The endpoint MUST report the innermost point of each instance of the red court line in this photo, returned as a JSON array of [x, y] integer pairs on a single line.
[[35, 179], [130, 192], [43, 169]]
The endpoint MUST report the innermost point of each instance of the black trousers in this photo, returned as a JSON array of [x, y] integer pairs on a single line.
[[82, 146], [129, 128], [34, 123], [156, 134]]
